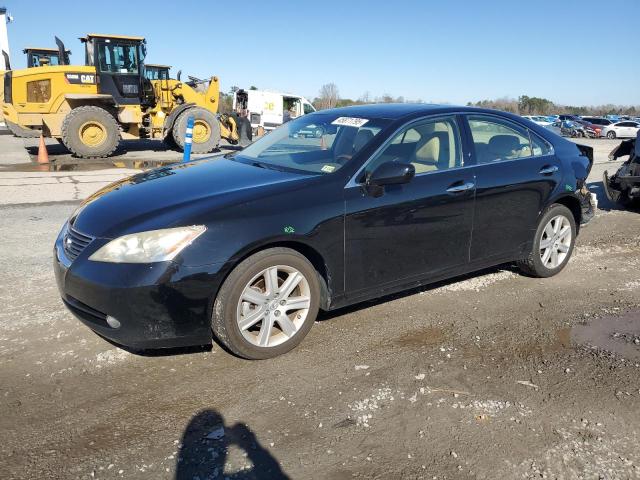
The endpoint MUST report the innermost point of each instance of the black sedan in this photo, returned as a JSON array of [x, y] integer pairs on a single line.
[[248, 246]]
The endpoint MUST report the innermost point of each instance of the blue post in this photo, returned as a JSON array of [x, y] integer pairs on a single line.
[[188, 138]]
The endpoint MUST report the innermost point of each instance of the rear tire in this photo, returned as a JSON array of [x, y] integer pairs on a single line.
[[90, 132], [611, 135], [551, 250], [206, 130], [256, 315], [170, 142]]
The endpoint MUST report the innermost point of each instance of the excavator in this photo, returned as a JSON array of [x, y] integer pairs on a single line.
[[91, 108]]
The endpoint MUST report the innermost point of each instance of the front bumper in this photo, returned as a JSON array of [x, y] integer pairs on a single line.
[[159, 305]]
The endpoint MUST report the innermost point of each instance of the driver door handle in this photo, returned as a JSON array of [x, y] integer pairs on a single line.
[[548, 170], [459, 188]]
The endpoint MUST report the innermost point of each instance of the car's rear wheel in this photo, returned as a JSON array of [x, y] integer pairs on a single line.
[[267, 304], [553, 243], [611, 135]]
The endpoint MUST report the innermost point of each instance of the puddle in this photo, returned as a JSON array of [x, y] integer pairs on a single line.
[[617, 335], [132, 154], [79, 166]]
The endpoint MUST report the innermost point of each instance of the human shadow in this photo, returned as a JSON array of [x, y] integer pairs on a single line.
[[205, 446]]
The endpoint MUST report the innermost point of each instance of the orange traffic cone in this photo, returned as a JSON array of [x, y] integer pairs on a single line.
[[43, 155]]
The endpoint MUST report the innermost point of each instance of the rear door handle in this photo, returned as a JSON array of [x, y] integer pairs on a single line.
[[548, 170], [459, 188]]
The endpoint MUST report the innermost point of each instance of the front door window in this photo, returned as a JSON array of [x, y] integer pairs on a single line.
[[430, 146]]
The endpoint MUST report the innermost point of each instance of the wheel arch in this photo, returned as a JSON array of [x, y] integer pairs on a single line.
[[173, 116], [106, 102], [310, 253], [573, 204]]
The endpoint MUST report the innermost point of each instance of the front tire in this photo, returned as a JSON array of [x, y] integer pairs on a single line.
[[90, 132], [611, 135], [267, 304], [553, 243], [206, 130]]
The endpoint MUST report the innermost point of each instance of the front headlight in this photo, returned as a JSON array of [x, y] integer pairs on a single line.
[[148, 247]]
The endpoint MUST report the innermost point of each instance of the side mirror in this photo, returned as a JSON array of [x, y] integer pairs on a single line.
[[391, 173]]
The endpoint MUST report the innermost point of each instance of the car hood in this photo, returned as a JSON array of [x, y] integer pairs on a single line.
[[175, 195]]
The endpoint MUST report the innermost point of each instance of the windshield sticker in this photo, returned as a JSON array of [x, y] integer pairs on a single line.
[[328, 168], [350, 121]]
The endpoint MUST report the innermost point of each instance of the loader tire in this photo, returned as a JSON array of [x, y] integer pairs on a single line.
[[245, 132], [22, 132], [206, 130], [90, 132], [170, 142]]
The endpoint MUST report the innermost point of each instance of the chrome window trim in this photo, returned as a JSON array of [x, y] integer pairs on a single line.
[[352, 181]]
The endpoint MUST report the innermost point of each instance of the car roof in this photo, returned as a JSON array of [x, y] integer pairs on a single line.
[[395, 111]]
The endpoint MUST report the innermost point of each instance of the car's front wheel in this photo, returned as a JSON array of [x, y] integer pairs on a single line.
[[553, 243], [611, 135], [267, 304]]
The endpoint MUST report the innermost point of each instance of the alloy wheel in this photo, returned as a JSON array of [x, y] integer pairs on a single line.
[[273, 306], [555, 242]]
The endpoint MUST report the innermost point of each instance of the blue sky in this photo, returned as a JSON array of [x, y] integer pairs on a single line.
[[577, 52]]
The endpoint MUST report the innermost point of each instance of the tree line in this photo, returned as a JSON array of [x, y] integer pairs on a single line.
[[525, 105], [329, 97]]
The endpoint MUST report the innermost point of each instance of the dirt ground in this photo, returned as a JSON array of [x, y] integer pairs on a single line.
[[494, 375]]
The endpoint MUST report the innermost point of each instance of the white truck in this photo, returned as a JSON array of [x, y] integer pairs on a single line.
[[268, 110]]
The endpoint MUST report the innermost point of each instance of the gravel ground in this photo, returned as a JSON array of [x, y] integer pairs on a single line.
[[493, 375]]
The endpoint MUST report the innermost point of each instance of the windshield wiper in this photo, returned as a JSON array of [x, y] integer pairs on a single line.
[[255, 163]]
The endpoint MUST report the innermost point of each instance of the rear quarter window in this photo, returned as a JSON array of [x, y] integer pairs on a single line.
[[539, 145]]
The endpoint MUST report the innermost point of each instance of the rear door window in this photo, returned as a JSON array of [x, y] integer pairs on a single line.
[[498, 140]]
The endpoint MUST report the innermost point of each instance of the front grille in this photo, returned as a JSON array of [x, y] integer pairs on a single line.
[[75, 242]]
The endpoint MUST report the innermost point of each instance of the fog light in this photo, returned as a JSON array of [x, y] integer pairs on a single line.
[[113, 323]]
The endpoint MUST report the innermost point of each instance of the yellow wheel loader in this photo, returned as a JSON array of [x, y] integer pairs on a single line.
[[36, 57], [91, 108], [153, 71]]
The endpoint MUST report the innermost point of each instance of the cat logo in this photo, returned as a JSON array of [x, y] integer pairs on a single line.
[[81, 78]]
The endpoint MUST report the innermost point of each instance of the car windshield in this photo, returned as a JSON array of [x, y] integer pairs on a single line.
[[315, 143]]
